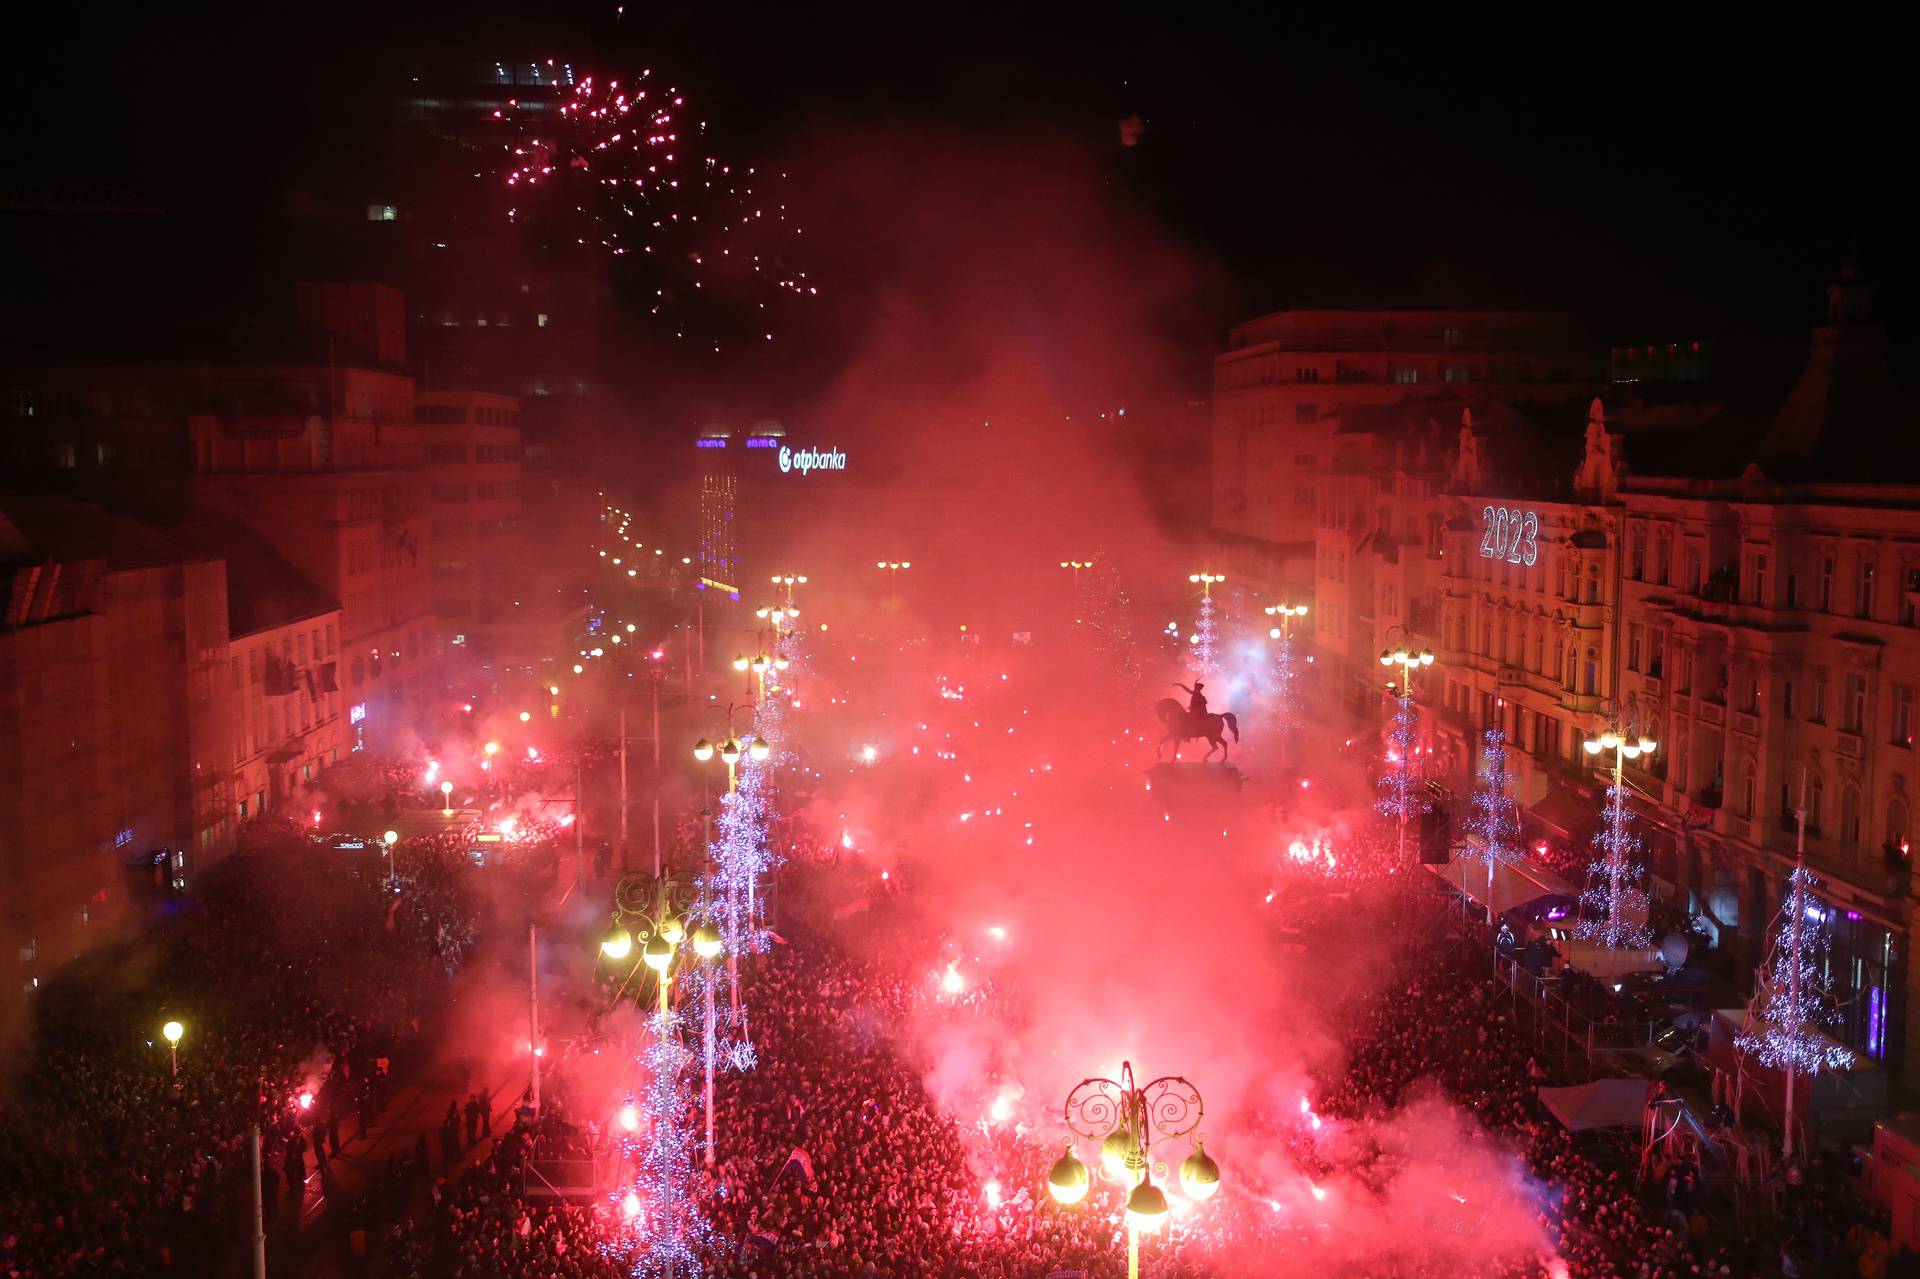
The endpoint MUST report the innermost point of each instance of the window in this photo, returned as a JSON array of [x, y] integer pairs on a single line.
[[1593, 583], [1902, 715], [1633, 647], [1449, 337], [1757, 580], [1306, 373], [1897, 824], [1786, 699], [1591, 673], [1855, 712], [1304, 413], [1657, 653], [1793, 591], [1637, 561], [1850, 817], [540, 319], [1694, 576], [1864, 601], [1457, 373], [1685, 682], [1819, 712], [1406, 377], [1303, 497], [378, 213], [1910, 602], [1825, 596], [1749, 790], [1662, 558]]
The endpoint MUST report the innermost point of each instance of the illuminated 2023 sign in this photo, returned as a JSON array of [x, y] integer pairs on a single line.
[[1509, 534]]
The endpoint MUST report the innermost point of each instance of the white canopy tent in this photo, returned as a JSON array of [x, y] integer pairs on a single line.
[[1604, 1103], [1513, 884]]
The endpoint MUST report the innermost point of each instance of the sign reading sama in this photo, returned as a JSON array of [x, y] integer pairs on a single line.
[[805, 460], [1510, 534]]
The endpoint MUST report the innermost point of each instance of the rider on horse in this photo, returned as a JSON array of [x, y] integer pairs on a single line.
[[1196, 700]]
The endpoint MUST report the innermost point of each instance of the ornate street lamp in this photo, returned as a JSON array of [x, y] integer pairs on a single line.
[[1126, 1120]]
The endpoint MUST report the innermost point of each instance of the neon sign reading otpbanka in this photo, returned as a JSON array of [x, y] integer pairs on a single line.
[[1509, 534], [804, 460]]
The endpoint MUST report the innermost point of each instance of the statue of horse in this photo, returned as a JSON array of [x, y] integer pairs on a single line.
[[1182, 727]]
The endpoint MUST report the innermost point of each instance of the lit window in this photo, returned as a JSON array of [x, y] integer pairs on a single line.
[[382, 213], [541, 319]]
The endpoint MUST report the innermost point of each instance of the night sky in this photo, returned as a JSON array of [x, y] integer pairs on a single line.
[[1657, 176]]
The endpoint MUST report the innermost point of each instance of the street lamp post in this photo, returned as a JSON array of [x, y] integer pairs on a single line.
[[171, 1032], [1284, 671], [1126, 1121], [1409, 660], [893, 568], [660, 931], [1076, 566], [1203, 632], [1624, 748]]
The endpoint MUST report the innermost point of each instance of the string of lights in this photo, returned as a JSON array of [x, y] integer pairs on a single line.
[[1613, 904]]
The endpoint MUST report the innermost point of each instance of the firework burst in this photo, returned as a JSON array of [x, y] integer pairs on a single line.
[[622, 166]]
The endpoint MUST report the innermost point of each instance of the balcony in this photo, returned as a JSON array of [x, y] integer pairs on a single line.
[[1848, 743], [1746, 722], [1709, 799], [1713, 712]]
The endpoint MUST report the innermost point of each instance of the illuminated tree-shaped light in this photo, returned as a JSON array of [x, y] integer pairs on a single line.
[[1206, 656], [1107, 618], [1613, 906], [673, 1232], [1493, 817], [1792, 1002], [1399, 794], [1285, 700]]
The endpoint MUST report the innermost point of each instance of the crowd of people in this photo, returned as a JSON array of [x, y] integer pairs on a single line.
[[297, 979]]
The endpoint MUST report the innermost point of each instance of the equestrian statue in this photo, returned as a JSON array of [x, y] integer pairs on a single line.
[[1194, 722]]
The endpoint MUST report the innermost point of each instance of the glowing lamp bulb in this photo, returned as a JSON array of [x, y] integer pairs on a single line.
[[674, 931], [391, 838], [306, 1101], [1199, 1175], [730, 751], [446, 788], [1147, 1208], [868, 754], [172, 1032], [1114, 1151], [578, 669], [630, 1206], [617, 944], [1593, 747], [525, 716], [740, 662], [630, 1117], [658, 954], [1067, 1180], [492, 748], [706, 941], [759, 750], [703, 750]]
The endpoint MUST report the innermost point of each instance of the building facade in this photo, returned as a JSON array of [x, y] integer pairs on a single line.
[[1281, 387], [474, 511], [115, 710], [1739, 582]]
